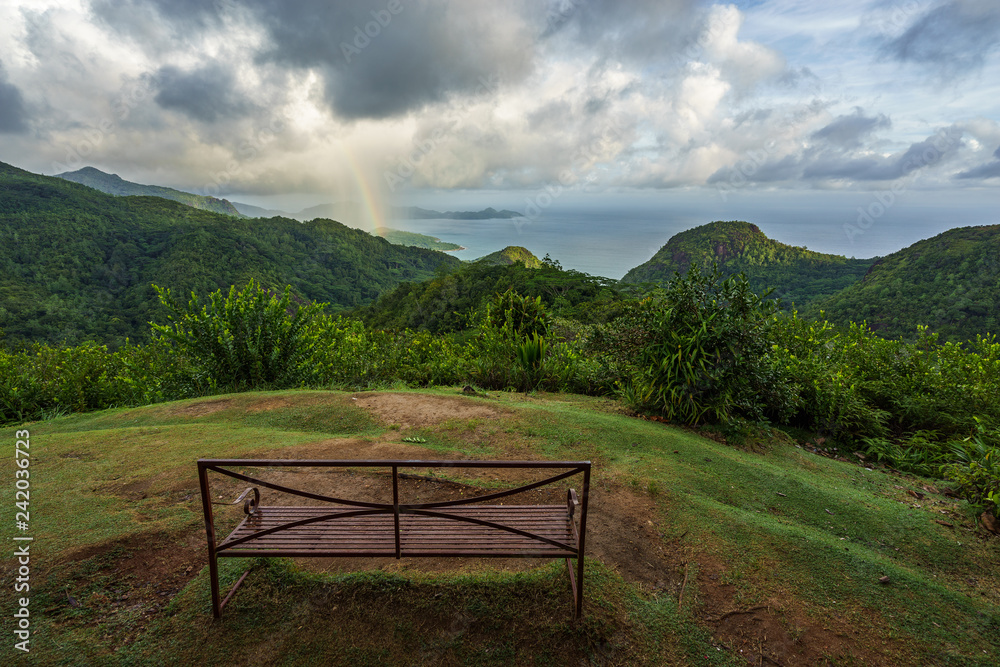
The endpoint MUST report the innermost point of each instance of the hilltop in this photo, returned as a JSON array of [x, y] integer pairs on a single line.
[[512, 254], [78, 264], [797, 275], [113, 184], [697, 553], [949, 283]]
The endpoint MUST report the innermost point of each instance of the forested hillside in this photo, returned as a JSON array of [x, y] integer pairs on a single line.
[[444, 303], [512, 254], [949, 283], [113, 184], [797, 275], [77, 264]]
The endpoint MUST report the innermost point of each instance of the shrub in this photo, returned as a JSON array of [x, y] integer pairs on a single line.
[[247, 339], [976, 468], [700, 350]]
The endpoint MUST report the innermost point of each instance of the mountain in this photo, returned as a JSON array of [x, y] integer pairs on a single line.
[[512, 254], [113, 184], [949, 283], [78, 264], [797, 275]]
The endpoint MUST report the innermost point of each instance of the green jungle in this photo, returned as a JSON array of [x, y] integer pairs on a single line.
[[861, 387]]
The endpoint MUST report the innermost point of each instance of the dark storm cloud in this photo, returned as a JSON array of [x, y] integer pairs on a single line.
[[375, 58], [206, 94], [142, 18], [13, 114], [382, 58], [848, 131], [953, 37]]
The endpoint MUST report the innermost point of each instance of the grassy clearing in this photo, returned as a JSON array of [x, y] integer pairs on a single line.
[[801, 538]]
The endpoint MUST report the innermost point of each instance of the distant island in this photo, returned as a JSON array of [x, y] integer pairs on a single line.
[[417, 213], [113, 184], [352, 210]]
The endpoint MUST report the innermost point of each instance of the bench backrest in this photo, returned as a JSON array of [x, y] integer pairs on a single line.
[[561, 469]]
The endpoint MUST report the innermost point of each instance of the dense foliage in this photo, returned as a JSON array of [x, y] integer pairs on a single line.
[[512, 254], [78, 265], [795, 275], [698, 350], [949, 283], [708, 348], [705, 350], [445, 303], [248, 339]]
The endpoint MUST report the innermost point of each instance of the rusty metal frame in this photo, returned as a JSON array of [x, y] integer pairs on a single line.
[[574, 549]]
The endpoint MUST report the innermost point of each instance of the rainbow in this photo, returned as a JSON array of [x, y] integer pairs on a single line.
[[371, 199]]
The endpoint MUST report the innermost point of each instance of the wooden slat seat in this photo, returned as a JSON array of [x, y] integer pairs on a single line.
[[420, 535], [468, 527]]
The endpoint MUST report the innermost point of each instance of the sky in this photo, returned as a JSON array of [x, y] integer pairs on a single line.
[[515, 103]]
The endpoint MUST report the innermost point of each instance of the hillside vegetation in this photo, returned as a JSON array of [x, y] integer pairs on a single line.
[[447, 302], [949, 283], [698, 553], [512, 254], [798, 276], [77, 264], [113, 184], [399, 237]]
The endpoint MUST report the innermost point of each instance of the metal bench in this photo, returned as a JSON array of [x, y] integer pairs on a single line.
[[345, 527]]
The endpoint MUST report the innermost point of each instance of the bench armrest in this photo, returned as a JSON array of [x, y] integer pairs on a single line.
[[572, 501], [249, 504]]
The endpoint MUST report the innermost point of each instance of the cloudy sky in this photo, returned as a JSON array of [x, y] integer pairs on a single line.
[[251, 99]]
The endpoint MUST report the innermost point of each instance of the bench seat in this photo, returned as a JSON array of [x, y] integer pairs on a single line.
[[448, 532], [474, 526]]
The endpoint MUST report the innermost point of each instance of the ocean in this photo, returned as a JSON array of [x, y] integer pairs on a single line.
[[608, 240]]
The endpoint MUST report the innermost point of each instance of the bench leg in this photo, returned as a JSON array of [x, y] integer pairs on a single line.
[[213, 574], [233, 590], [576, 586]]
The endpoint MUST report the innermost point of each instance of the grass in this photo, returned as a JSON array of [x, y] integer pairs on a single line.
[[806, 537]]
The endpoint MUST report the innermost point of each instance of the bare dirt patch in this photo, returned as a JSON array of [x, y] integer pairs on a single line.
[[421, 410], [134, 578], [268, 404], [202, 408]]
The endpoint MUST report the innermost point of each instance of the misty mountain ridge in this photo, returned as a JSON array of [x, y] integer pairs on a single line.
[[113, 184]]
